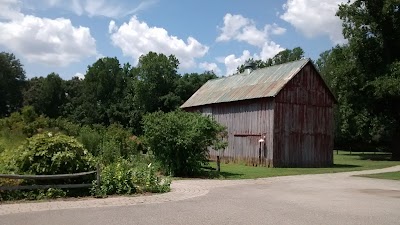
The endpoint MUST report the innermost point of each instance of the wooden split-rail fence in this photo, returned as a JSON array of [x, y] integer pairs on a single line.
[[49, 177]]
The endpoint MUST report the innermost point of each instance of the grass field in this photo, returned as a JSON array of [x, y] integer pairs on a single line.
[[389, 176], [342, 162]]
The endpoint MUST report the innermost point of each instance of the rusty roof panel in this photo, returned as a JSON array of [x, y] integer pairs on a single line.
[[260, 83]]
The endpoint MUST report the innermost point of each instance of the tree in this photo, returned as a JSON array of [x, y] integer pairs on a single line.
[[156, 78], [338, 68], [372, 28], [179, 140], [71, 109], [284, 56], [47, 95], [103, 89], [189, 83], [12, 77]]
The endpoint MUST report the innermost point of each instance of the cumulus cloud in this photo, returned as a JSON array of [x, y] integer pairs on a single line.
[[10, 9], [43, 40], [136, 38], [269, 50], [315, 18], [81, 76], [232, 62], [210, 67], [239, 28]]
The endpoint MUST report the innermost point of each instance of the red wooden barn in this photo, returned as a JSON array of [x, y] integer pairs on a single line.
[[280, 116]]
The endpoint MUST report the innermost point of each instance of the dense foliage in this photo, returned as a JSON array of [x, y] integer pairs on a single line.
[[125, 178], [12, 76], [47, 154], [364, 74], [285, 56], [179, 140]]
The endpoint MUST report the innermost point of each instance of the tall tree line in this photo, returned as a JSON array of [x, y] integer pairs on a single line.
[[365, 75], [110, 93]]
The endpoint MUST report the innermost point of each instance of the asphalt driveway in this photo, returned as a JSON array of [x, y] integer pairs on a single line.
[[309, 199]]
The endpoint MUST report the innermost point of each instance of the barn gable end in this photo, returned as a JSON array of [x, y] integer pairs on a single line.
[[303, 128]]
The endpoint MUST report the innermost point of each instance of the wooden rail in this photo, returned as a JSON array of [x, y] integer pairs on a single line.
[[49, 177]]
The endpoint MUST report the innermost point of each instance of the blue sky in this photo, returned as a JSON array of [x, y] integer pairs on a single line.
[[65, 36]]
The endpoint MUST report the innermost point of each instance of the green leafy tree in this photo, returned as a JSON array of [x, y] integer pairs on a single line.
[[179, 140], [156, 78], [103, 91], [46, 94], [284, 56], [71, 109], [372, 29], [12, 77], [188, 84]]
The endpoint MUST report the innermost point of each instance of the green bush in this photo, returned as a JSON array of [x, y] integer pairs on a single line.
[[53, 154], [91, 139], [179, 140], [66, 127], [123, 177]]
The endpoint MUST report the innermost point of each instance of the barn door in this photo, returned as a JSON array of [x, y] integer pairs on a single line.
[[247, 148]]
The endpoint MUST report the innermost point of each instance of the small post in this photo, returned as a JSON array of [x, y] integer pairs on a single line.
[[218, 164], [98, 181], [337, 151]]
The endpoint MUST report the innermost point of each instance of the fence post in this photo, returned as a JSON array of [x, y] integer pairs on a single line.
[[98, 181], [218, 164]]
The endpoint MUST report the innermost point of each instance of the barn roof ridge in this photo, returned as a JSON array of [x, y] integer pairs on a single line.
[[260, 83]]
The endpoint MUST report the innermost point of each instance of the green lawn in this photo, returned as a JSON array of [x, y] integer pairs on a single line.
[[390, 176], [343, 162]]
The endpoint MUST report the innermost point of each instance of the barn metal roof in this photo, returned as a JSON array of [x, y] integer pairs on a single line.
[[260, 83]]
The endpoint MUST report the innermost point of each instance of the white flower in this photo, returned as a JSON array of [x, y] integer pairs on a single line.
[[50, 134], [148, 166]]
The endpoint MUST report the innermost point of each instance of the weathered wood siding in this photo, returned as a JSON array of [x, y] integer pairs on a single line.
[[303, 131], [246, 121]]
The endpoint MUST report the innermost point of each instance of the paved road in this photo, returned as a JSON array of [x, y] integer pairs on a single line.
[[309, 199]]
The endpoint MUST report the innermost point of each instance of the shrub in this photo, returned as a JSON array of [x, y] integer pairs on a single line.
[[124, 178], [28, 114], [91, 139], [53, 154], [179, 140], [67, 127]]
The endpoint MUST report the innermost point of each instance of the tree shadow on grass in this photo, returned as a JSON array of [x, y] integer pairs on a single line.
[[379, 156], [344, 166], [209, 172], [376, 157]]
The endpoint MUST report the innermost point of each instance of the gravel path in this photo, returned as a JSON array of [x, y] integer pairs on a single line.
[[338, 192]]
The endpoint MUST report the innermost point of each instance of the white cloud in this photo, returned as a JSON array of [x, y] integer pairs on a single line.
[[80, 75], [275, 29], [112, 27], [47, 41], [106, 8], [239, 28], [269, 50], [10, 9], [210, 67], [231, 62], [136, 38], [315, 18]]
